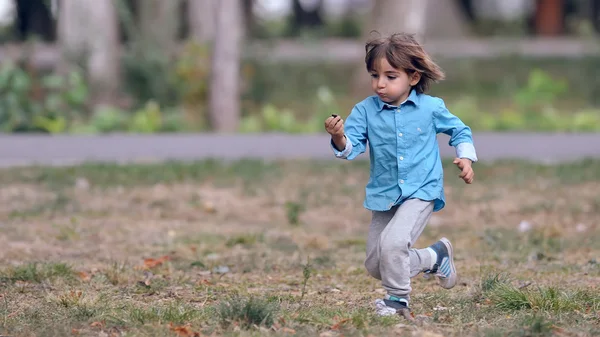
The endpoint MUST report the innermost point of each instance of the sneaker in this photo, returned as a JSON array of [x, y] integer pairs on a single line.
[[390, 305], [444, 267]]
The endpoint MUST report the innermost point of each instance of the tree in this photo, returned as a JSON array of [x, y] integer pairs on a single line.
[[159, 22], [202, 19], [224, 98], [88, 34], [103, 62]]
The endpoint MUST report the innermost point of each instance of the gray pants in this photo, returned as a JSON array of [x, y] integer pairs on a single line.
[[390, 256]]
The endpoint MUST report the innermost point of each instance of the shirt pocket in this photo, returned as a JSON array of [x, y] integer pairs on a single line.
[[418, 131]]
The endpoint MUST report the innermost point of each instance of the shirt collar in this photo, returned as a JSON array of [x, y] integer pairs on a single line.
[[412, 97]]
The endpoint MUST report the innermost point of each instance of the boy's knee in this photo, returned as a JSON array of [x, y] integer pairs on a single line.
[[394, 245]]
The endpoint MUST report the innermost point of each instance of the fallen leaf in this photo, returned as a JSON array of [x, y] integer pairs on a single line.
[[337, 325], [288, 330], [204, 281], [209, 207], [97, 325], [75, 331], [85, 277], [152, 263], [184, 331]]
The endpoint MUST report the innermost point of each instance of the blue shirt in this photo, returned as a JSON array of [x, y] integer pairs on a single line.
[[403, 148]]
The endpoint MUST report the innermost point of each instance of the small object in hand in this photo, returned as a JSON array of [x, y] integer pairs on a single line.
[[334, 115]]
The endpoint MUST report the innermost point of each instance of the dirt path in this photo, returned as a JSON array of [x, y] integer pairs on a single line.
[[17, 150]]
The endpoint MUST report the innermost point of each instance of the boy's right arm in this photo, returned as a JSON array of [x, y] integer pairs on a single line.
[[352, 142]]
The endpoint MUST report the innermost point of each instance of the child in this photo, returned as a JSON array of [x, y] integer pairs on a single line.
[[400, 123]]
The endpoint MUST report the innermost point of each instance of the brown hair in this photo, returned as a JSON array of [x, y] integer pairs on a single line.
[[403, 51]]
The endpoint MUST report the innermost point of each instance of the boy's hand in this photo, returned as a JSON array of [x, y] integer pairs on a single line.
[[466, 173], [335, 127]]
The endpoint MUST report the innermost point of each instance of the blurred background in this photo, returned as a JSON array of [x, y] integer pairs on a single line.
[[152, 66]]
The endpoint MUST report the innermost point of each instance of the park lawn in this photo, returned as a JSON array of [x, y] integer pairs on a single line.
[[252, 248]]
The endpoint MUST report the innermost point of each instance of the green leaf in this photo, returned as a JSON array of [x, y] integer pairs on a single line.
[[53, 82]]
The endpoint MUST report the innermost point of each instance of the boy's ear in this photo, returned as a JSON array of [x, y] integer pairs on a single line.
[[415, 78]]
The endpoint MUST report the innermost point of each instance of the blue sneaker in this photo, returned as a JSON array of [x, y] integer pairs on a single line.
[[444, 267]]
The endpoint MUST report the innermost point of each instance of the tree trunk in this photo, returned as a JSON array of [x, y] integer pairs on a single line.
[[202, 19], [549, 17], [224, 101], [159, 22], [73, 30], [93, 41], [103, 62]]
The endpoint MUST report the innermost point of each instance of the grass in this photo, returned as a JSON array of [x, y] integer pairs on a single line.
[[276, 248]]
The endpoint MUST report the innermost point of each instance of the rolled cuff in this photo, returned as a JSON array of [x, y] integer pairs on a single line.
[[466, 150], [345, 152]]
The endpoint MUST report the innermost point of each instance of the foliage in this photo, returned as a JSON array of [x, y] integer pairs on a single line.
[[47, 103], [147, 119], [54, 104], [532, 109], [192, 74], [283, 120]]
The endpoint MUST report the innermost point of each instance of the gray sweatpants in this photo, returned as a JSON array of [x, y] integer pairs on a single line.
[[390, 256]]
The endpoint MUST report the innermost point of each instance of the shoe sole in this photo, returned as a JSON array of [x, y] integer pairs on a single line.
[[451, 281]]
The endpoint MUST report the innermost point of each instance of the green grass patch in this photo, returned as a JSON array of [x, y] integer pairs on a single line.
[[508, 297], [258, 172], [37, 272], [247, 312]]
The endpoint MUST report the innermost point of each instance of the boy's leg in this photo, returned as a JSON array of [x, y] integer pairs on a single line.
[[379, 221], [398, 262]]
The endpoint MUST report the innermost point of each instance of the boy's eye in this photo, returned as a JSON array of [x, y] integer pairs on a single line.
[[392, 77], [374, 75]]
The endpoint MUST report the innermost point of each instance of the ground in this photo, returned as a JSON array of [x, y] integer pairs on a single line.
[[253, 248]]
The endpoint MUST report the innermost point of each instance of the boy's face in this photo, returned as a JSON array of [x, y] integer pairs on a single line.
[[390, 84]]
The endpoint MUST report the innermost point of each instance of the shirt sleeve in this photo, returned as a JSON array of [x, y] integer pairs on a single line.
[[355, 128], [460, 134]]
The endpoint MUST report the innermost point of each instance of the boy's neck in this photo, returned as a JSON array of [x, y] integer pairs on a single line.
[[402, 99]]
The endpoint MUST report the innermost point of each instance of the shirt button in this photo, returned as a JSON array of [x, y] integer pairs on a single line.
[[401, 158], [401, 181], [400, 134]]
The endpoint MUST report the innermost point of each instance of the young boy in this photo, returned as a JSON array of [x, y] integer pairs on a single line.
[[400, 123]]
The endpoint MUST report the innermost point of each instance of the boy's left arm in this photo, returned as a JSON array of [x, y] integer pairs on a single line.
[[461, 138]]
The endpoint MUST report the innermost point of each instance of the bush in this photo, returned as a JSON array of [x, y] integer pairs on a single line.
[[49, 103]]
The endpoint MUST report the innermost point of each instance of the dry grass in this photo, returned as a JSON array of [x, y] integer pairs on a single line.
[[277, 249]]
